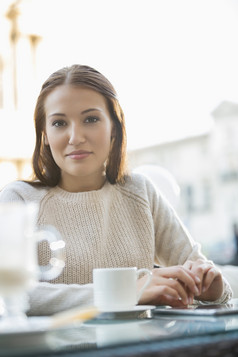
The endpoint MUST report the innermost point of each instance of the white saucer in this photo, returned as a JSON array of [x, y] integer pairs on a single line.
[[137, 308]]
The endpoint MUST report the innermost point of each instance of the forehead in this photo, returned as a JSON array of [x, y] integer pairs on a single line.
[[74, 96]]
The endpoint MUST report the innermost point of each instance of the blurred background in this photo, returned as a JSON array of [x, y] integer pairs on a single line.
[[174, 64]]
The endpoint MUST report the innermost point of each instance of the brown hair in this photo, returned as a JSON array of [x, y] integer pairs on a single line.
[[44, 167]]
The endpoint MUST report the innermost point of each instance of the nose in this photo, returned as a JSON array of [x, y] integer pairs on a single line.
[[76, 135]]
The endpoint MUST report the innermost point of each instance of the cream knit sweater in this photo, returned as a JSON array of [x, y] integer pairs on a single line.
[[116, 226]]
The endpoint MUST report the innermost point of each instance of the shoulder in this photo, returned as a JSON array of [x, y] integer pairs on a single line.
[[139, 187], [22, 191]]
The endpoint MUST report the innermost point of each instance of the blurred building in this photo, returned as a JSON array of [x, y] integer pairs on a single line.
[[206, 170]]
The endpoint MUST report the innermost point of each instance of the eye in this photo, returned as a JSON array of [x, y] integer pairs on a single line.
[[91, 120], [58, 123]]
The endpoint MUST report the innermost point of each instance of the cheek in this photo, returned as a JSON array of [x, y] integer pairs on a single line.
[[55, 140], [101, 137], [51, 141], [108, 132], [105, 141]]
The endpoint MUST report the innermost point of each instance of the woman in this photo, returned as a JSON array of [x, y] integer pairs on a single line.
[[106, 217]]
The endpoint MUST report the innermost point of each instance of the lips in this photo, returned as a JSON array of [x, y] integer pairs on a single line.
[[79, 154]]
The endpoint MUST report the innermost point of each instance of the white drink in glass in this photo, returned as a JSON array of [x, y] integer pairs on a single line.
[[19, 269]]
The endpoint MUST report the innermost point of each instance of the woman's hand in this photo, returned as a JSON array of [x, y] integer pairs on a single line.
[[175, 286], [211, 286]]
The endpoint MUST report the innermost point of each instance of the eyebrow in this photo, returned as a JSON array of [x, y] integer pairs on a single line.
[[83, 112], [57, 114], [91, 110]]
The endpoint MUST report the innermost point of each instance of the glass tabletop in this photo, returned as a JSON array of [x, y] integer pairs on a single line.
[[113, 330]]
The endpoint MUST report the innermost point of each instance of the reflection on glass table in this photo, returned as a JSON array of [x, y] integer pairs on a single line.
[[100, 333]]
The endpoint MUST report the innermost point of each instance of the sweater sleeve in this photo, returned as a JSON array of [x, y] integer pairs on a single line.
[[8, 194], [173, 243], [22, 191], [47, 299]]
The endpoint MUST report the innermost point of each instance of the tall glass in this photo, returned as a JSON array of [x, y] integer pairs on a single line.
[[19, 269]]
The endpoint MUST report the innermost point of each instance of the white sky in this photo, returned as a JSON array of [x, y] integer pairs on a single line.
[[171, 61]]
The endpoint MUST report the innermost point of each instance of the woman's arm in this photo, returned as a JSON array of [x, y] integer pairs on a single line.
[[174, 246], [47, 299]]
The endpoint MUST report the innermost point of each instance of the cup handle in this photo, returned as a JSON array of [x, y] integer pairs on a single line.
[[56, 244], [149, 277]]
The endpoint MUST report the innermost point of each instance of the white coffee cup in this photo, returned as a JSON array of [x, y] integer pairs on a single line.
[[115, 289]]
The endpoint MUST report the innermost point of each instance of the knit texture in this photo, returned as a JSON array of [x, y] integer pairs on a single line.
[[116, 226]]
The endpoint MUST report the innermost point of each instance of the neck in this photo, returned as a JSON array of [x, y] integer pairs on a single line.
[[82, 184]]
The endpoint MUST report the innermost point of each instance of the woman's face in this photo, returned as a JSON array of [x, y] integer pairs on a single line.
[[78, 131]]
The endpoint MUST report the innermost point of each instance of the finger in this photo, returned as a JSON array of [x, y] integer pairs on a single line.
[[168, 300], [198, 277], [190, 296], [199, 268], [209, 277], [179, 287], [182, 274], [158, 286], [157, 294], [167, 286]]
